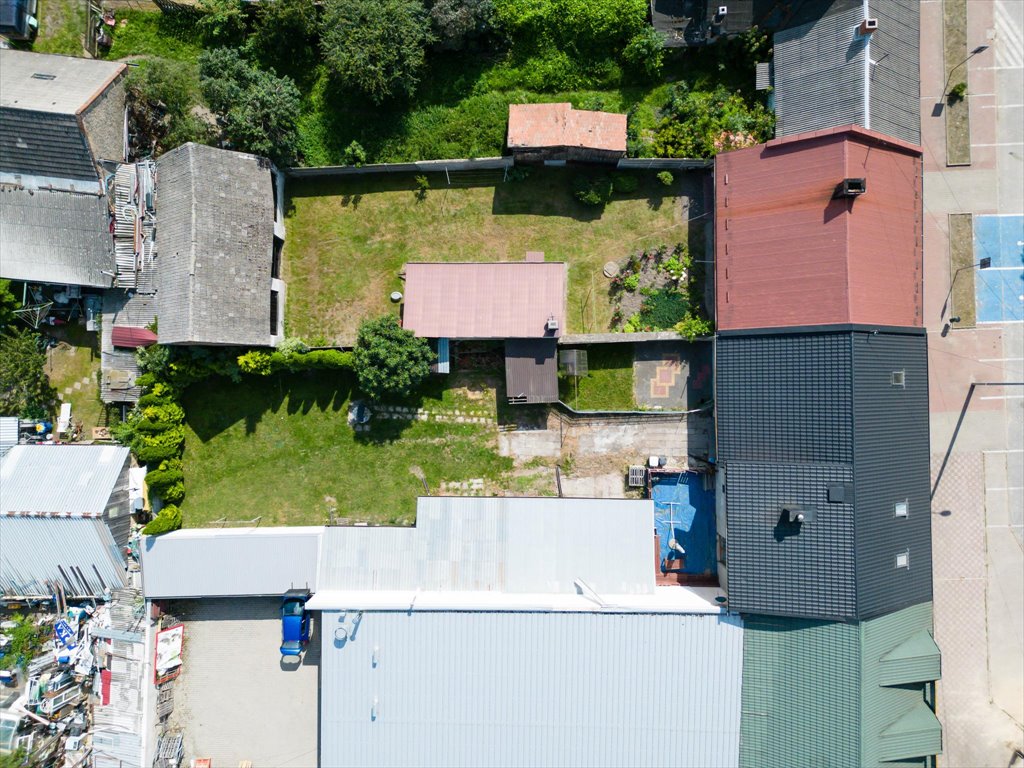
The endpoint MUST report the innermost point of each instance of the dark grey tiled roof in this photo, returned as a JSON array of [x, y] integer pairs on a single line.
[[531, 370], [43, 144], [215, 213], [813, 419], [823, 79], [55, 237]]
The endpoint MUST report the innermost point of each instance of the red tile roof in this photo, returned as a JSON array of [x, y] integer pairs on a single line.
[[127, 336], [559, 125], [788, 254], [500, 300]]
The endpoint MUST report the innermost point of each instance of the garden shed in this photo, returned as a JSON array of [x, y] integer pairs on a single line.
[[556, 133]]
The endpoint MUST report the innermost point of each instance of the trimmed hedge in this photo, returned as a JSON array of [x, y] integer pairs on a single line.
[[168, 520]]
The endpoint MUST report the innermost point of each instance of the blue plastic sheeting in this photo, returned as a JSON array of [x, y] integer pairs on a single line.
[[684, 511], [999, 290]]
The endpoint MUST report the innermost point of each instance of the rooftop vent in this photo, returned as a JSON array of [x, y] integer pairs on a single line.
[[867, 27], [850, 188], [552, 323], [43, 76], [795, 514]]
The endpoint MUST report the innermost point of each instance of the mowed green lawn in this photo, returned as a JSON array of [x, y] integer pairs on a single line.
[[608, 385], [348, 239], [281, 449]]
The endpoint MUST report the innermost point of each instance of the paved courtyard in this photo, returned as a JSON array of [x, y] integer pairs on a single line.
[[237, 698], [672, 374]]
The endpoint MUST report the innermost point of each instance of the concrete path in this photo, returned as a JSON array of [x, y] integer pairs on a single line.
[[977, 434]]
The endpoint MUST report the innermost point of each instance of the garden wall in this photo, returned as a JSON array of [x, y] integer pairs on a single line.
[[424, 166], [484, 164]]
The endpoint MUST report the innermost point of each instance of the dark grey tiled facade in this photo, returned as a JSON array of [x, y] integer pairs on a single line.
[[44, 144], [813, 419]]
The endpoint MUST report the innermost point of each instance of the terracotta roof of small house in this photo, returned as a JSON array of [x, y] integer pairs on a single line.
[[472, 300], [559, 125], [130, 336]]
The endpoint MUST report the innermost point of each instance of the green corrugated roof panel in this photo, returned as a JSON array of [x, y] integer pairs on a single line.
[[819, 693], [917, 659], [916, 733]]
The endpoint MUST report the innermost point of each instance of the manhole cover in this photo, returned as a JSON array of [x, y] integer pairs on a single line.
[[611, 269]]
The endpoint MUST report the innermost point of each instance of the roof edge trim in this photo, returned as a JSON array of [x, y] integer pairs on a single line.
[[837, 328], [852, 131]]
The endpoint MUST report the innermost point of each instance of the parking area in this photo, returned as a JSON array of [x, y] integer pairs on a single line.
[[999, 289], [237, 698]]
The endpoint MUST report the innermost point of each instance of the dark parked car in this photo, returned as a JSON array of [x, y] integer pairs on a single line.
[[294, 622]]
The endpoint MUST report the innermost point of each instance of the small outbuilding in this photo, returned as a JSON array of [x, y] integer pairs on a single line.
[[557, 133], [521, 303]]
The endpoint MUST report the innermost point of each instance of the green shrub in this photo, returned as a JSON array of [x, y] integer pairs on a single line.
[[149, 454], [354, 154], [692, 326], [631, 283], [666, 178], [168, 411], [625, 183], [174, 494], [168, 520], [645, 53], [703, 123], [956, 93], [159, 480], [663, 309], [256, 362], [422, 186], [592, 190]]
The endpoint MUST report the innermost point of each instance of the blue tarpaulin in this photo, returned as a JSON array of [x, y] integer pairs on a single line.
[[685, 511]]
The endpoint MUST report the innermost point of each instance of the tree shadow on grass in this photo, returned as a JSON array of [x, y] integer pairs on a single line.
[[214, 405]]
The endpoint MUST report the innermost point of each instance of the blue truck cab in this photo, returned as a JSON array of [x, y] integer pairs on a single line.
[[294, 622]]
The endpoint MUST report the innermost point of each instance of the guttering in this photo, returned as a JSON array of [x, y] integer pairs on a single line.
[[669, 600]]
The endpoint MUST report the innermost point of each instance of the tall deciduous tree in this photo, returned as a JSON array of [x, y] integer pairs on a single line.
[[389, 360], [8, 303], [376, 46], [24, 388], [258, 108]]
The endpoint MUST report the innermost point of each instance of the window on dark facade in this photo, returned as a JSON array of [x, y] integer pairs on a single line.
[[898, 378], [901, 509], [275, 262], [273, 312], [903, 559]]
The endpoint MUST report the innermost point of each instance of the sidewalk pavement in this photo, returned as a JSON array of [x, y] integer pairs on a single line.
[[977, 434]]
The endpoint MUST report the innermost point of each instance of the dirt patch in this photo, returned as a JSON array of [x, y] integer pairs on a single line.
[[958, 122], [961, 256]]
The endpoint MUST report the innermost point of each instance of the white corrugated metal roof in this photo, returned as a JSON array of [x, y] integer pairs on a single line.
[[74, 479], [8, 433], [530, 689], [228, 562], [512, 545], [60, 549]]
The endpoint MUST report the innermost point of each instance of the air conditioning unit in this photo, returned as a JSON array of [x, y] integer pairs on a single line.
[[867, 26], [850, 188], [552, 323]]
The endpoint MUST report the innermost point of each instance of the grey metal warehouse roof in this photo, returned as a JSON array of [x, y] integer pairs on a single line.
[[68, 479], [529, 689], [55, 237], [216, 226], [509, 545], [44, 144], [828, 75], [76, 552], [229, 562]]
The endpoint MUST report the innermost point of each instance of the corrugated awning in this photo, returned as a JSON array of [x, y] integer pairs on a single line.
[[531, 371], [128, 336]]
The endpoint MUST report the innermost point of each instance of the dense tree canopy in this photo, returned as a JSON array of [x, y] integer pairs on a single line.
[[376, 46], [389, 360], [258, 108], [24, 388]]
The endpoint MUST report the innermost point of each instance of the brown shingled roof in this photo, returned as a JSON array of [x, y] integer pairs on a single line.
[[559, 125]]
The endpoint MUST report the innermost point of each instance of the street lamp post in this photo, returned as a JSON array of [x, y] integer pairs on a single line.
[[940, 104], [985, 263]]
